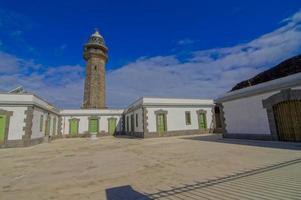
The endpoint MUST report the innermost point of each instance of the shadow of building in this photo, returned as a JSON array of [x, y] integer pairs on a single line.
[[125, 193]]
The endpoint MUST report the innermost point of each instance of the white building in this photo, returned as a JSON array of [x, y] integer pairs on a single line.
[[26, 119], [153, 117], [83, 122], [268, 111]]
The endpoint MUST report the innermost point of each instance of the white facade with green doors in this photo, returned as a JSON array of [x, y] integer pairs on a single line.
[[33, 119], [169, 116], [101, 122], [20, 119]]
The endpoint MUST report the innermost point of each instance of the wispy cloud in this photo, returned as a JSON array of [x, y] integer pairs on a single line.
[[187, 41], [205, 74]]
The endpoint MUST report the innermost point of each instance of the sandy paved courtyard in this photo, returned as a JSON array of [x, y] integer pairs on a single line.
[[110, 167]]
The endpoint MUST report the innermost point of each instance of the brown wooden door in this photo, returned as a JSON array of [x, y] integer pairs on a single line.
[[288, 120]]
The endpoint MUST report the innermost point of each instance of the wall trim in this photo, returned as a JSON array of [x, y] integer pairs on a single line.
[[145, 119], [28, 124]]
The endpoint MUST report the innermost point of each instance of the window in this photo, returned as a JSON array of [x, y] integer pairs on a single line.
[[41, 122], [54, 126], [218, 122], [136, 120], [188, 118], [127, 124], [132, 123]]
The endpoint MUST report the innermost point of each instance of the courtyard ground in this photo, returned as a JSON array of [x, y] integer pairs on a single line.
[[186, 167]]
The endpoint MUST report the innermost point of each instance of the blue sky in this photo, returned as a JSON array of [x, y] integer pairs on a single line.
[[193, 49]]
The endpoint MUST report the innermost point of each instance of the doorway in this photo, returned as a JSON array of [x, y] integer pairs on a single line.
[[112, 126], [202, 121], [288, 120], [2, 128], [74, 127]]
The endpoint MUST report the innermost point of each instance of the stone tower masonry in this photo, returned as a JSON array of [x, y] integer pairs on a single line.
[[95, 54]]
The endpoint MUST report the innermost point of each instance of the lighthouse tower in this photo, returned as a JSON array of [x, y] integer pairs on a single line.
[[95, 55]]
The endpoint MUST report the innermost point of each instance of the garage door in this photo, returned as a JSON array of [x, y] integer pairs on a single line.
[[288, 120]]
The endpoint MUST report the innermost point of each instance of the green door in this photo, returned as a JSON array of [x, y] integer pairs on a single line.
[[2, 128], [112, 126], [161, 126], [74, 127], [93, 126], [202, 121], [47, 125]]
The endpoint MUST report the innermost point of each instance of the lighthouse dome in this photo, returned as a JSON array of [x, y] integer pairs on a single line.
[[96, 39]]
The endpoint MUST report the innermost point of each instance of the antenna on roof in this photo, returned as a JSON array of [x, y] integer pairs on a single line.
[[17, 90]]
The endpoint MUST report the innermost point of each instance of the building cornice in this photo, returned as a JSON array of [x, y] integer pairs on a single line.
[[270, 86]]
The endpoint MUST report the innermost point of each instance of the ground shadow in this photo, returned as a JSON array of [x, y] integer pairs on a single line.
[[125, 193], [196, 191], [222, 187], [268, 144], [127, 137]]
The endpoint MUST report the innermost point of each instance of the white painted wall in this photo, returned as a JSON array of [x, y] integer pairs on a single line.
[[176, 117], [84, 123], [16, 122], [247, 115], [36, 132]]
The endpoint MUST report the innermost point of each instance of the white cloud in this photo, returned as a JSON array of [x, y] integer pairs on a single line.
[[208, 73], [205, 74]]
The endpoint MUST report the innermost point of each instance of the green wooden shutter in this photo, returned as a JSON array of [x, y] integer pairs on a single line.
[[74, 127], [161, 123], [112, 126], [93, 125], [202, 121], [2, 128]]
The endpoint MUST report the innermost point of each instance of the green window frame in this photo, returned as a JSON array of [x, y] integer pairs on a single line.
[[41, 122], [188, 118], [93, 125]]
